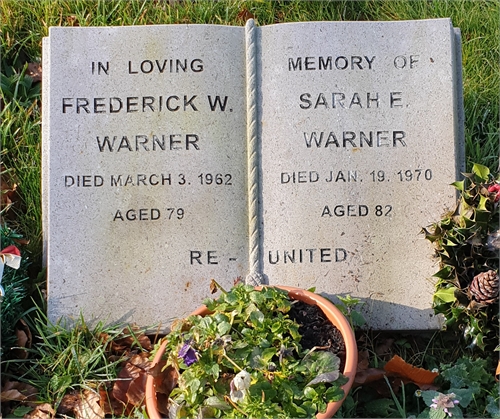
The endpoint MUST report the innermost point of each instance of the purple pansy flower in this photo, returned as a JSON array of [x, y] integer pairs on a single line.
[[188, 354]]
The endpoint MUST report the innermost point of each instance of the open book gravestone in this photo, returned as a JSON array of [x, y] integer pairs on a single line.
[[302, 154]]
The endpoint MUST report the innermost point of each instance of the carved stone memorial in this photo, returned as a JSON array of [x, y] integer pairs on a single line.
[[302, 154]]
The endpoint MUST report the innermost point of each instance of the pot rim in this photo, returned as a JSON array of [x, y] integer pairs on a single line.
[[332, 313]]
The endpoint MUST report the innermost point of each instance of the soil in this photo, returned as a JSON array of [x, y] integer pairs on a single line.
[[317, 330]]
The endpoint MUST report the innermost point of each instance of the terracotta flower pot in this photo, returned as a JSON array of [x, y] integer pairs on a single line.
[[331, 312]]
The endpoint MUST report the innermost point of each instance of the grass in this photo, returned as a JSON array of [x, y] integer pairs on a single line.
[[23, 25], [68, 359]]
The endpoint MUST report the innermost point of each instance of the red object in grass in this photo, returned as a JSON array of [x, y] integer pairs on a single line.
[[495, 189]]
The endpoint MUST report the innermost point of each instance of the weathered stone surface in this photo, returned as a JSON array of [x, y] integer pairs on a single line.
[[144, 172], [360, 142]]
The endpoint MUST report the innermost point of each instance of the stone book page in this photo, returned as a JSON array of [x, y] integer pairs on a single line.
[[144, 176], [360, 141]]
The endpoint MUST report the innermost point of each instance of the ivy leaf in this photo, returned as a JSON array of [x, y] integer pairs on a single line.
[[444, 273], [482, 203], [459, 185], [447, 295], [481, 171]]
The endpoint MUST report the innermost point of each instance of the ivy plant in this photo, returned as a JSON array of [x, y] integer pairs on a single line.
[[467, 243]]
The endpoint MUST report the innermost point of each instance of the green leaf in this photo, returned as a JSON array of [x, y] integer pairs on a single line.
[[428, 396], [447, 295], [310, 393], [437, 414], [257, 297], [215, 370], [220, 317], [358, 319], [380, 408], [334, 394], [459, 185], [195, 385], [493, 407], [444, 273], [482, 203], [217, 402], [256, 317], [224, 327], [465, 395], [296, 411], [262, 386], [322, 362], [481, 171], [268, 354], [327, 377], [455, 412], [21, 411], [465, 371], [206, 322]]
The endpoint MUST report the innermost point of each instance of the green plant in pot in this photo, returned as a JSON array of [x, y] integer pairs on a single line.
[[243, 355]]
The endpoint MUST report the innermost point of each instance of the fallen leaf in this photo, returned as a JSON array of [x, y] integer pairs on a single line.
[[109, 404], [12, 395], [162, 404], [17, 391], [245, 15], [35, 72], [132, 337], [88, 406], [368, 375], [68, 402], [43, 411], [8, 193], [23, 341], [22, 241], [384, 346], [363, 360], [213, 286], [419, 376], [72, 20], [130, 386], [165, 379], [497, 373]]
